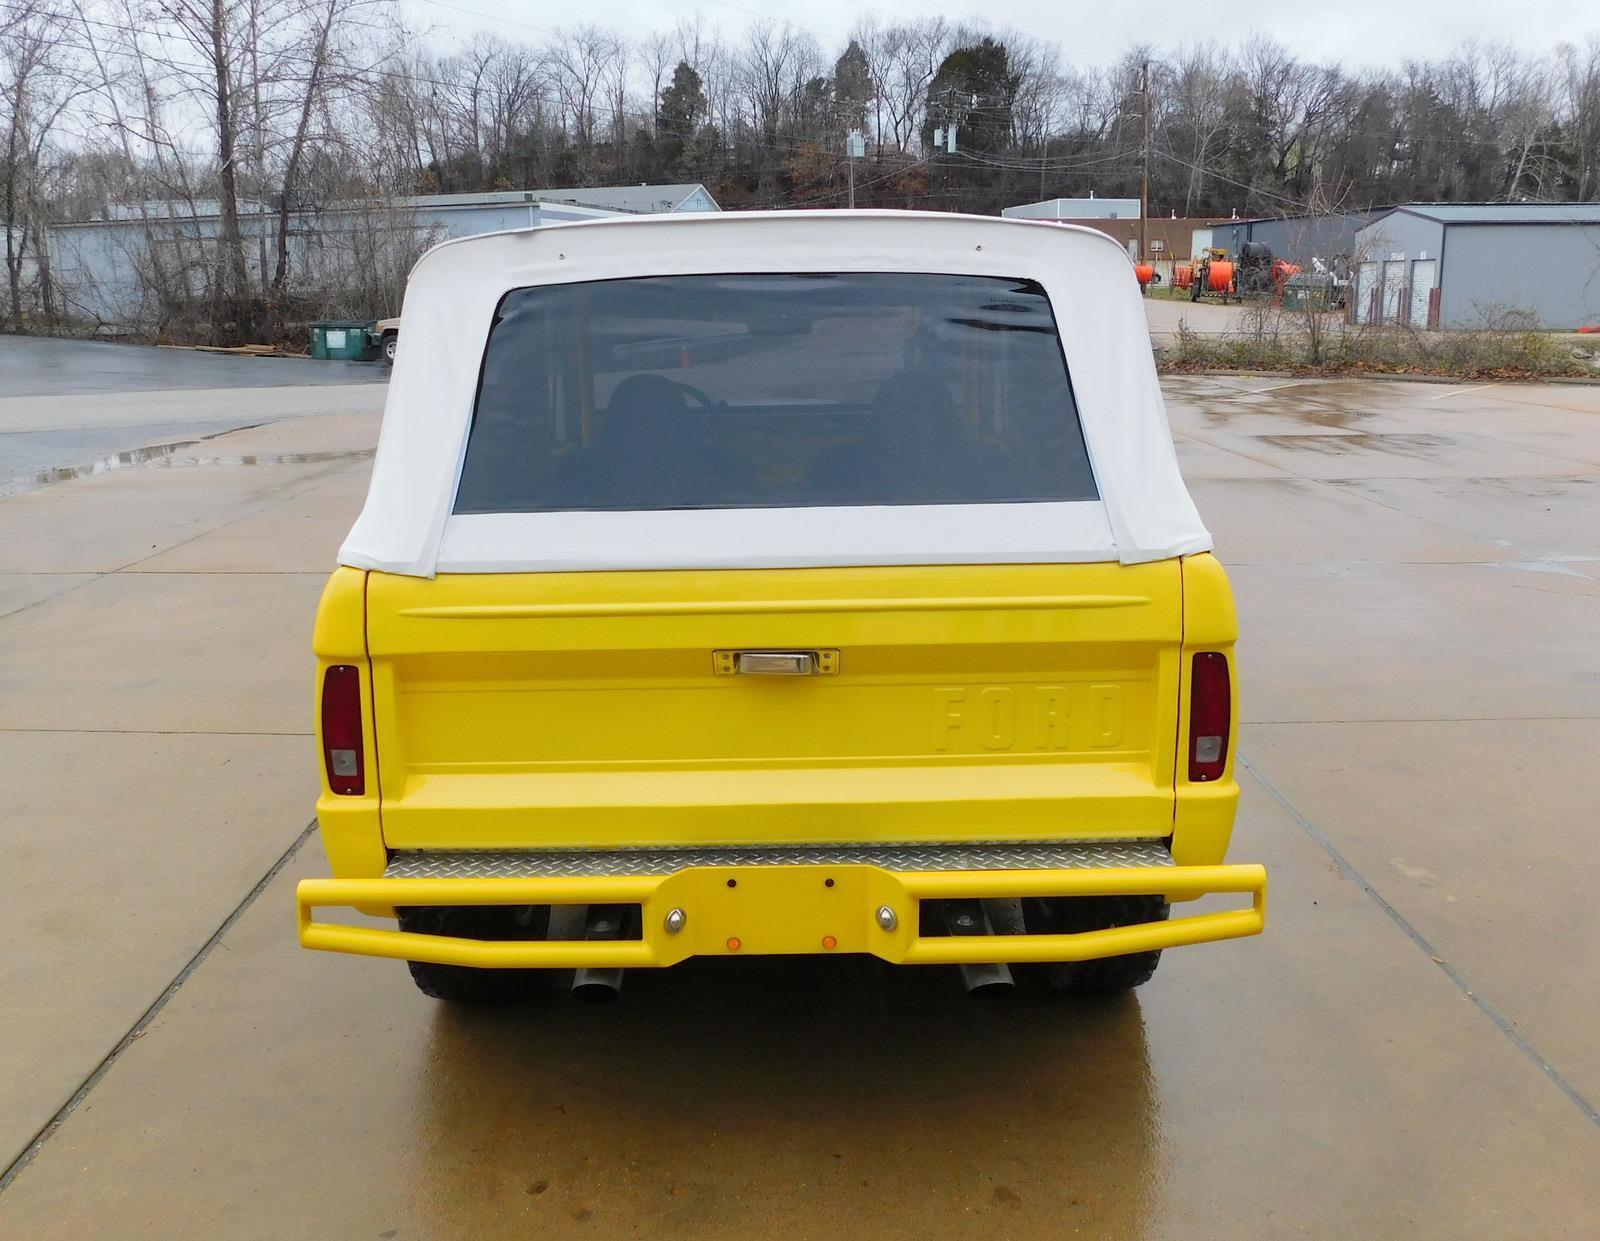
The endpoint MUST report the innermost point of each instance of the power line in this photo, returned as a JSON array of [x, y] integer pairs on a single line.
[[492, 17], [888, 176], [1060, 163], [1254, 189]]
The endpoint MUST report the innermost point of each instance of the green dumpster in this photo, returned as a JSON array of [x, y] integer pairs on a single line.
[[1308, 292], [347, 339]]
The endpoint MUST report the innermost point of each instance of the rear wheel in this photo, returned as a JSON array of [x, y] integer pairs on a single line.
[[390, 346], [461, 984], [1066, 915]]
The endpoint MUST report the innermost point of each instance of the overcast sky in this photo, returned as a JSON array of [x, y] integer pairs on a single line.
[[1355, 32]]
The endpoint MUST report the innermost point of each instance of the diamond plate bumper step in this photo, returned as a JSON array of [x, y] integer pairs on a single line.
[[1051, 855]]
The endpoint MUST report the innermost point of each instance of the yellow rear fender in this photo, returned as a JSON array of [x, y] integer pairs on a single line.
[[352, 830], [1204, 811]]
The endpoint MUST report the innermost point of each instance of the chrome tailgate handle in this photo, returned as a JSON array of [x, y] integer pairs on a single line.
[[776, 663]]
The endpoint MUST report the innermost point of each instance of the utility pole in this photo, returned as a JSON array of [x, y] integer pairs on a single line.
[[1144, 166], [855, 148]]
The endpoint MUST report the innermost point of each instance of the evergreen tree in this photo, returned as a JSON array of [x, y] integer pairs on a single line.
[[852, 87], [683, 112]]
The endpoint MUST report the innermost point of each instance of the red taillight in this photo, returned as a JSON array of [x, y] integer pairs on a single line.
[[1210, 710], [341, 730]]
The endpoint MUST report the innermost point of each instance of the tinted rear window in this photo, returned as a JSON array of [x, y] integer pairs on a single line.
[[704, 392]]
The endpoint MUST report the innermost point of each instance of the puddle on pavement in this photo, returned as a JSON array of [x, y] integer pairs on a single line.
[[1285, 403], [1336, 404], [174, 456], [1560, 566], [283, 458], [122, 460]]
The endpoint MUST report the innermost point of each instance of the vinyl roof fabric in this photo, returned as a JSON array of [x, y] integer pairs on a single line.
[[407, 526]]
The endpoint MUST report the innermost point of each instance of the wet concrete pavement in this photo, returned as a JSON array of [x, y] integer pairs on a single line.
[[1165, 315], [45, 366], [1408, 1050], [54, 418]]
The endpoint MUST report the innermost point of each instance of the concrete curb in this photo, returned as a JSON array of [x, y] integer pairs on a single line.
[[1576, 381]]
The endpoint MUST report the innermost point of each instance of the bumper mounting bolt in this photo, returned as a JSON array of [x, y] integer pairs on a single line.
[[886, 918], [675, 920]]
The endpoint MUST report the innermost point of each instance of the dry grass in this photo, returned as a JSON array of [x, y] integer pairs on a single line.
[[1274, 339]]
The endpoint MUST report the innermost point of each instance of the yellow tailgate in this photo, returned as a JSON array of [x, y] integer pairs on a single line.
[[949, 703]]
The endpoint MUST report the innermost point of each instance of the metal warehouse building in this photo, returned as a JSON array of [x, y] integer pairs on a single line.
[[1456, 265], [1299, 238], [1090, 208], [106, 269]]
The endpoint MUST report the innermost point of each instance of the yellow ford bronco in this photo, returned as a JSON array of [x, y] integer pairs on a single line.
[[776, 583]]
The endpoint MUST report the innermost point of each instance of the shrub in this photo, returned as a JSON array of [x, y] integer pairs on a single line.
[[1504, 346]]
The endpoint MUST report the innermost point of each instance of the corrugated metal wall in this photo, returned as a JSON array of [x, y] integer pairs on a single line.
[[1297, 238], [1397, 265], [98, 265], [1551, 271]]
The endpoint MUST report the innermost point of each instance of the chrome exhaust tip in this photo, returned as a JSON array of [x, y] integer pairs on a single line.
[[600, 986], [969, 917], [987, 982], [596, 986]]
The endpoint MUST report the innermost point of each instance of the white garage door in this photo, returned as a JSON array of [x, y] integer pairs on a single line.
[[1366, 287], [1424, 273], [1394, 284]]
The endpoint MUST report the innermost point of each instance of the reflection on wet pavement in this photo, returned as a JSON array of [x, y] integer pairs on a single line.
[[175, 455], [1418, 575], [846, 1084]]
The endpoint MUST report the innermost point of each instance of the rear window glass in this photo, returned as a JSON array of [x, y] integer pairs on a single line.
[[759, 391]]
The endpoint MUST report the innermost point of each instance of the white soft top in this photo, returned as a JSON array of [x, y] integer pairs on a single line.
[[407, 527]]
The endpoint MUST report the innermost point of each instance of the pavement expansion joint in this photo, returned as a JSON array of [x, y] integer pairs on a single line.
[[165, 732], [132, 566], [1348, 872], [150, 1014]]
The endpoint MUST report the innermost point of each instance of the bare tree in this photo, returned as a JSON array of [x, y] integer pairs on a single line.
[[657, 55], [911, 54], [1577, 75], [1197, 84], [211, 30], [38, 83], [582, 60], [246, 147]]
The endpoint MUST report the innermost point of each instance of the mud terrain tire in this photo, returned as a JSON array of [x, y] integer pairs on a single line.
[[459, 984], [1107, 975]]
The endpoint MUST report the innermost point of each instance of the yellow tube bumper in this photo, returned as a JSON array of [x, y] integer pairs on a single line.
[[760, 910]]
